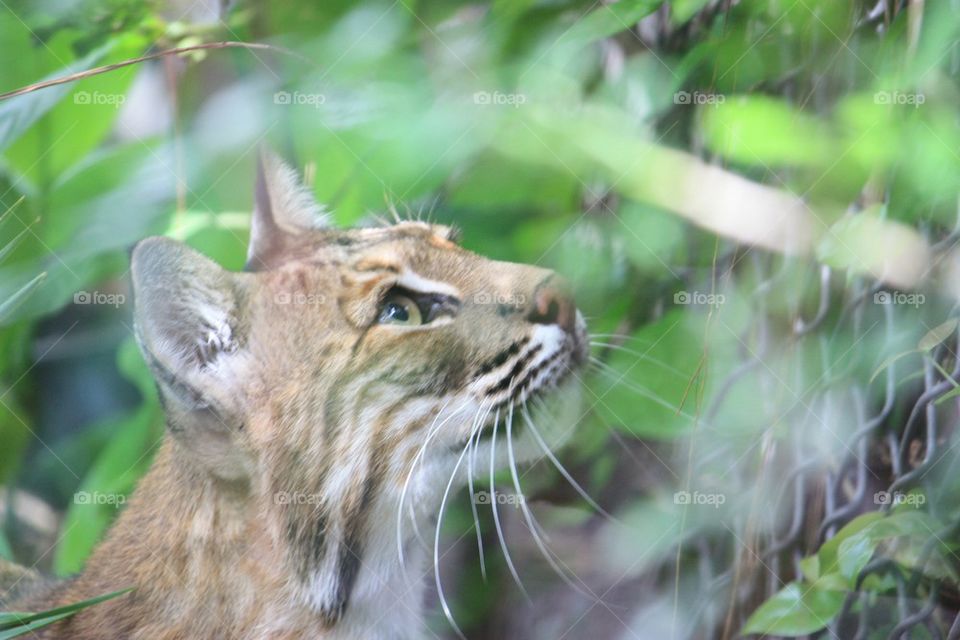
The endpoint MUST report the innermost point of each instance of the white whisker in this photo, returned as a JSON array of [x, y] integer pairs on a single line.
[[643, 356], [472, 443], [496, 514], [620, 379], [434, 428], [527, 515], [563, 471], [436, 542]]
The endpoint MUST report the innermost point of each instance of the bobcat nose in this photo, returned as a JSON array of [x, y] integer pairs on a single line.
[[553, 304]]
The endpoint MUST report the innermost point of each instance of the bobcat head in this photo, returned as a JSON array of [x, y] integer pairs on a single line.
[[345, 371]]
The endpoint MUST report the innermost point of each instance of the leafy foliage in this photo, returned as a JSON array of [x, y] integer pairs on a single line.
[[693, 167]]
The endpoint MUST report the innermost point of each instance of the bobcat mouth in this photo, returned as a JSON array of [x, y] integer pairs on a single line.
[[530, 376], [531, 373]]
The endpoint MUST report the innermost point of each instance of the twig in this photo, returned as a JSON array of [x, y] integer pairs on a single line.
[[80, 75]]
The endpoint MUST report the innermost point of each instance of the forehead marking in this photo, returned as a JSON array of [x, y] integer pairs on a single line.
[[412, 280]]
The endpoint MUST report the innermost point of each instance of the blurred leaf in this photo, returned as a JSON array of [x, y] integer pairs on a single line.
[[829, 551], [937, 335], [888, 362], [8, 305], [105, 229], [71, 128], [853, 554], [114, 474], [18, 114], [796, 610], [755, 130], [650, 378], [5, 551], [13, 625], [683, 10], [14, 433], [609, 19]]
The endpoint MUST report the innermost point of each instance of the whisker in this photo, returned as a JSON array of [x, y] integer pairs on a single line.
[[621, 337], [644, 356], [620, 379], [532, 524], [496, 514], [436, 542], [472, 443], [416, 528], [563, 471], [434, 428]]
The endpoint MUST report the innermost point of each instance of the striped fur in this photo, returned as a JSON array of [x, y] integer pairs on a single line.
[[297, 421]]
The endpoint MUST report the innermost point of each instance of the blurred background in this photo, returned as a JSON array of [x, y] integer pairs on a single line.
[[757, 203]]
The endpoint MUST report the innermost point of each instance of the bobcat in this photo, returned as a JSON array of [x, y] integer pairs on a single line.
[[342, 372]]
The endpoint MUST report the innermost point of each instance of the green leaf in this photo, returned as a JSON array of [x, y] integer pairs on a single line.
[[829, 551], [650, 388], [5, 550], [796, 610], [853, 554], [810, 566], [114, 474], [14, 300], [74, 127], [19, 113], [953, 393], [683, 10], [937, 335], [889, 361], [762, 131], [17, 624], [610, 19]]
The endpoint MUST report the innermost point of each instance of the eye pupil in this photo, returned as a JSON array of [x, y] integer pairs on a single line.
[[398, 312]]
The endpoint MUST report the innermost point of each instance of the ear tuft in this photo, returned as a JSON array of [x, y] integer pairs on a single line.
[[283, 210]]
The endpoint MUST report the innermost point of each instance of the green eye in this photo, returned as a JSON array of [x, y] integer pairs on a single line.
[[400, 310]]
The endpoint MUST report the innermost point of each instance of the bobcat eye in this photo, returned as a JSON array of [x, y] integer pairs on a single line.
[[398, 309]]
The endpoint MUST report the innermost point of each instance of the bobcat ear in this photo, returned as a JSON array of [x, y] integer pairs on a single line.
[[283, 210], [188, 324]]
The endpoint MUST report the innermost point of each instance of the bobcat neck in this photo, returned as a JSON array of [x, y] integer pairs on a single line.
[[204, 563]]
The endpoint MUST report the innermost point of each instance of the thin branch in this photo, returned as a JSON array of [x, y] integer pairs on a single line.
[[153, 56]]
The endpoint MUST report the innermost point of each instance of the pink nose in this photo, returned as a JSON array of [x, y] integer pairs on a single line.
[[553, 304]]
